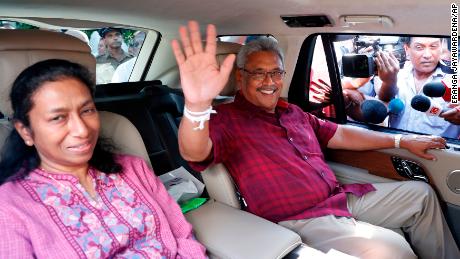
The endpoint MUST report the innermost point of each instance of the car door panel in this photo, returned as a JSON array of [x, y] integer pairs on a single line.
[[379, 163]]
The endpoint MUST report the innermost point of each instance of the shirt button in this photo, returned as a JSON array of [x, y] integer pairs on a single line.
[[291, 139], [305, 157], [322, 173]]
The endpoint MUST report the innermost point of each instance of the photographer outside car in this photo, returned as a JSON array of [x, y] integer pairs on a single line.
[[424, 54], [400, 79], [360, 70]]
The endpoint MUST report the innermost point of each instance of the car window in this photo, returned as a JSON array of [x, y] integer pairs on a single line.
[[116, 49], [240, 39], [411, 98], [319, 89]]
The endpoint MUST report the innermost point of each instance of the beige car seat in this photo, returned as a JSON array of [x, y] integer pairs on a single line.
[[217, 179]]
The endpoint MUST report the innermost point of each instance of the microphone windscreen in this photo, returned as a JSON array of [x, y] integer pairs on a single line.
[[396, 106], [420, 103], [447, 82], [374, 111], [434, 89]]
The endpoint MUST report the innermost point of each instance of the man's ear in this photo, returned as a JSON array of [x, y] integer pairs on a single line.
[[406, 49], [24, 132]]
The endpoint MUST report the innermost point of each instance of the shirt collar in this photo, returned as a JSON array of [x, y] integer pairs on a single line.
[[109, 56], [436, 73], [407, 77]]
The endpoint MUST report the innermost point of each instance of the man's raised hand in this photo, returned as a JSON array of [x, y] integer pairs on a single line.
[[201, 77]]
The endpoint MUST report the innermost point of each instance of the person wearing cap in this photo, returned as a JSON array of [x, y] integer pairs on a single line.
[[123, 72], [114, 56]]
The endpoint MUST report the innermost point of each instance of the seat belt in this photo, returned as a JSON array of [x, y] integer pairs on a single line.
[[240, 198]]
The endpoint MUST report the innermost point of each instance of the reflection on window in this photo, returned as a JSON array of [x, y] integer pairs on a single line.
[[398, 82], [115, 49], [241, 39], [319, 90]]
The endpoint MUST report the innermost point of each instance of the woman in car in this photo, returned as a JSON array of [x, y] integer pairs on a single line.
[[63, 194]]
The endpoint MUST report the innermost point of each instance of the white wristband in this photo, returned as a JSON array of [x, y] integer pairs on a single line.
[[397, 140], [200, 117]]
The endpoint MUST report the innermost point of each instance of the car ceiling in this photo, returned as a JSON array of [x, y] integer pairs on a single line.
[[239, 16]]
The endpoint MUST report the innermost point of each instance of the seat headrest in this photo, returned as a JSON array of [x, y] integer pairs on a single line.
[[222, 51], [21, 48]]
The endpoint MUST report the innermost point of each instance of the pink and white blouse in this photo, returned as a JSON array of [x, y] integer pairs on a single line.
[[50, 215]]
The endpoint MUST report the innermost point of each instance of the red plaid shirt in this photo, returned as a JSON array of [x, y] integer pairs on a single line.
[[277, 162]]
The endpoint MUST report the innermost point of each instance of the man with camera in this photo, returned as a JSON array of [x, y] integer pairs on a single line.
[[424, 54]]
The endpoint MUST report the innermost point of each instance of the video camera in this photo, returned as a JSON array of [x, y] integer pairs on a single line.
[[361, 63]]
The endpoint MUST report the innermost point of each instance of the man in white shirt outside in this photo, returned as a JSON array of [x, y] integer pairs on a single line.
[[424, 54]]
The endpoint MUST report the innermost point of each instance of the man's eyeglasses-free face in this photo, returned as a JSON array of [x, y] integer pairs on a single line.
[[276, 75]]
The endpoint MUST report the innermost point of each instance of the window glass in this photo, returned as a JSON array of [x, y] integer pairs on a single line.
[[241, 39], [319, 89], [399, 82], [115, 49]]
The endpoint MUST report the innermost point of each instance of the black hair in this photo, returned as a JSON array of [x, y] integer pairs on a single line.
[[103, 31], [407, 40], [18, 159]]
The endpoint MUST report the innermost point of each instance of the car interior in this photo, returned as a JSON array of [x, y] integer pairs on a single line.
[[142, 115]]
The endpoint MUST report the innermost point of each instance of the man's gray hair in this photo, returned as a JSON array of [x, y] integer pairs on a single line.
[[260, 44]]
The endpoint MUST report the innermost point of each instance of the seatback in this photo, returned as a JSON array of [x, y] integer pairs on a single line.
[[151, 107], [21, 48], [124, 135], [219, 183]]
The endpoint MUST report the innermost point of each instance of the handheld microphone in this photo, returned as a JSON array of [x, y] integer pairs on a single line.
[[438, 89], [374, 111], [424, 104], [447, 82], [396, 106]]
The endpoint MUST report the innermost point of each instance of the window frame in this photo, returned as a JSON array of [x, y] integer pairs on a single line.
[[299, 88]]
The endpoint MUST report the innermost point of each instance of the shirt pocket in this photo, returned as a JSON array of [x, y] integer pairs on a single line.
[[304, 139]]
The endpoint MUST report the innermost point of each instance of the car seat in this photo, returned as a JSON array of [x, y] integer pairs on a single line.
[[21, 48]]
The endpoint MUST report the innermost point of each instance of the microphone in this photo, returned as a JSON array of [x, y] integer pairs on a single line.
[[447, 82], [374, 111], [396, 106], [424, 104], [438, 89]]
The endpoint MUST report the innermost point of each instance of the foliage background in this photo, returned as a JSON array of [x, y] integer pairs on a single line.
[[128, 34]]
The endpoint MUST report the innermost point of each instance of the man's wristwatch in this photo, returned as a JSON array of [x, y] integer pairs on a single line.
[[397, 140]]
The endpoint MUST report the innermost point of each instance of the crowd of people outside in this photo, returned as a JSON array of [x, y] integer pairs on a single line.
[[110, 46], [404, 65]]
